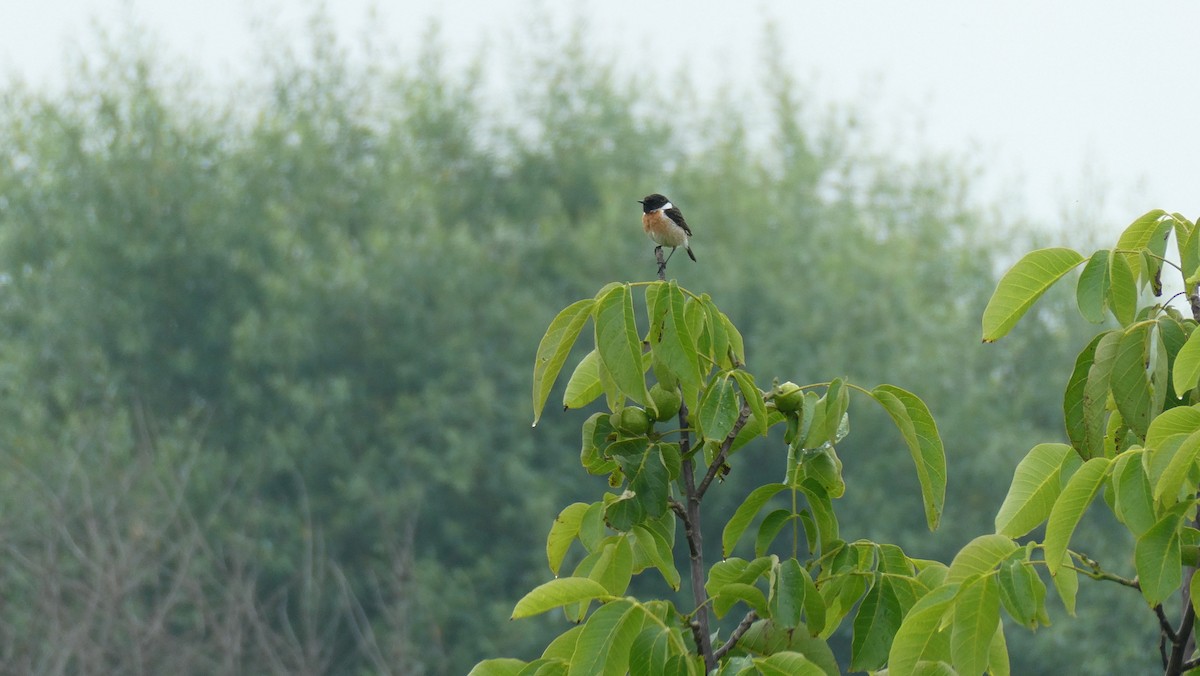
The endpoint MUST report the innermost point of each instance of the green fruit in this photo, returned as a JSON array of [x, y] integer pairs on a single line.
[[666, 401], [788, 397], [631, 420]]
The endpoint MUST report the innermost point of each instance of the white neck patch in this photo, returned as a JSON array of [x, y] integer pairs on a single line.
[[666, 206]]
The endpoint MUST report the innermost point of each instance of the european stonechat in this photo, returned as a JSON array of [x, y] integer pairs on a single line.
[[665, 225]]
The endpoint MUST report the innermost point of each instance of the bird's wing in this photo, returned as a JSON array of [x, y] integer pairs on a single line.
[[677, 216]]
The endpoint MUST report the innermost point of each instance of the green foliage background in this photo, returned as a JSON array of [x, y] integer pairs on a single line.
[[266, 346]]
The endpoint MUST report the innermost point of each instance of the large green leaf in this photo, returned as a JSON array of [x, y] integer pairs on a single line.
[[1179, 420], [1096, 389], [920, 636], [1141, 234], [1176, 476], [875, 625], [1157, 557], [976, 614], [502, 666], [554, 348], [1066, 582], [1035, 486], [1069, 508], [754, 399], [1134, 504], [787, 594], [618, 343], [744, 514], [584, 385], [1023, 593], [675, 348], [1122, 289], [558, 593], [1021, 286], [1187, 365], [1091, 293], [718, 409], [563, 532], [920, 432], [787, 664], [979, 556], [1084, 437], [604, 644], [1130, 384], [648, 480]]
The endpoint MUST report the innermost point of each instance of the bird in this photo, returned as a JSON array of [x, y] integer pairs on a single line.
[[664, 224]]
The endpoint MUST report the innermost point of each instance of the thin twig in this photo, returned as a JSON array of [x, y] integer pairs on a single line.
[[727, 444], [742, 628], [1165, 625]]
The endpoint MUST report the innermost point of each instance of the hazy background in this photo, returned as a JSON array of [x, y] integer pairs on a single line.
[[272, 278], [1075, 105]]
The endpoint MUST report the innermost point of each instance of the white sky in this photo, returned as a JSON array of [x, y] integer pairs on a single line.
[[1066, 102]]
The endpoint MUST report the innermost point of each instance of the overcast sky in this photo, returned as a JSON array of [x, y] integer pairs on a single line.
[[1063, 101]]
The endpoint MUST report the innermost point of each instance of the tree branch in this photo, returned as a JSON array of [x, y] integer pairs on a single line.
[[1165, 624], [719, 461], [742, 628], [1179, 645]]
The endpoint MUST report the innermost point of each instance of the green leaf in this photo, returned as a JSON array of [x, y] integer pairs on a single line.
[[1187, 365], [554, 348], [976, 614], [584, 386], [998, 653], [1066, 582], [919, 635], [562, 533], [875, 625], [733, 592], [653, 545], [1035, 486], [1086, 438], [787, 664], [1130, 384], [1134, 496], [618, 343], [1092, 290], [1022, 593], [824, 517], [650, 650], [754, 399], [1122, 290], [611, 566], [1069, 508], [1157, 558], [719, 409], [676, 348], [769, 529], [1141, 234], [1021, 286], [648, 480], [558, 593], [563, 646], [503, 666], [1179, 420], [1095, 390], [920, 432], [720, 337], [979, 556], [604, 644], [787, 594], [1176, 476], [744, 514]]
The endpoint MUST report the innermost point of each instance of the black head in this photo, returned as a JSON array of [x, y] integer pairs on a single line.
[[653, 202]]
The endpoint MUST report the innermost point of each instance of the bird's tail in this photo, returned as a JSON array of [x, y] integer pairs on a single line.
[[690, 254]]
